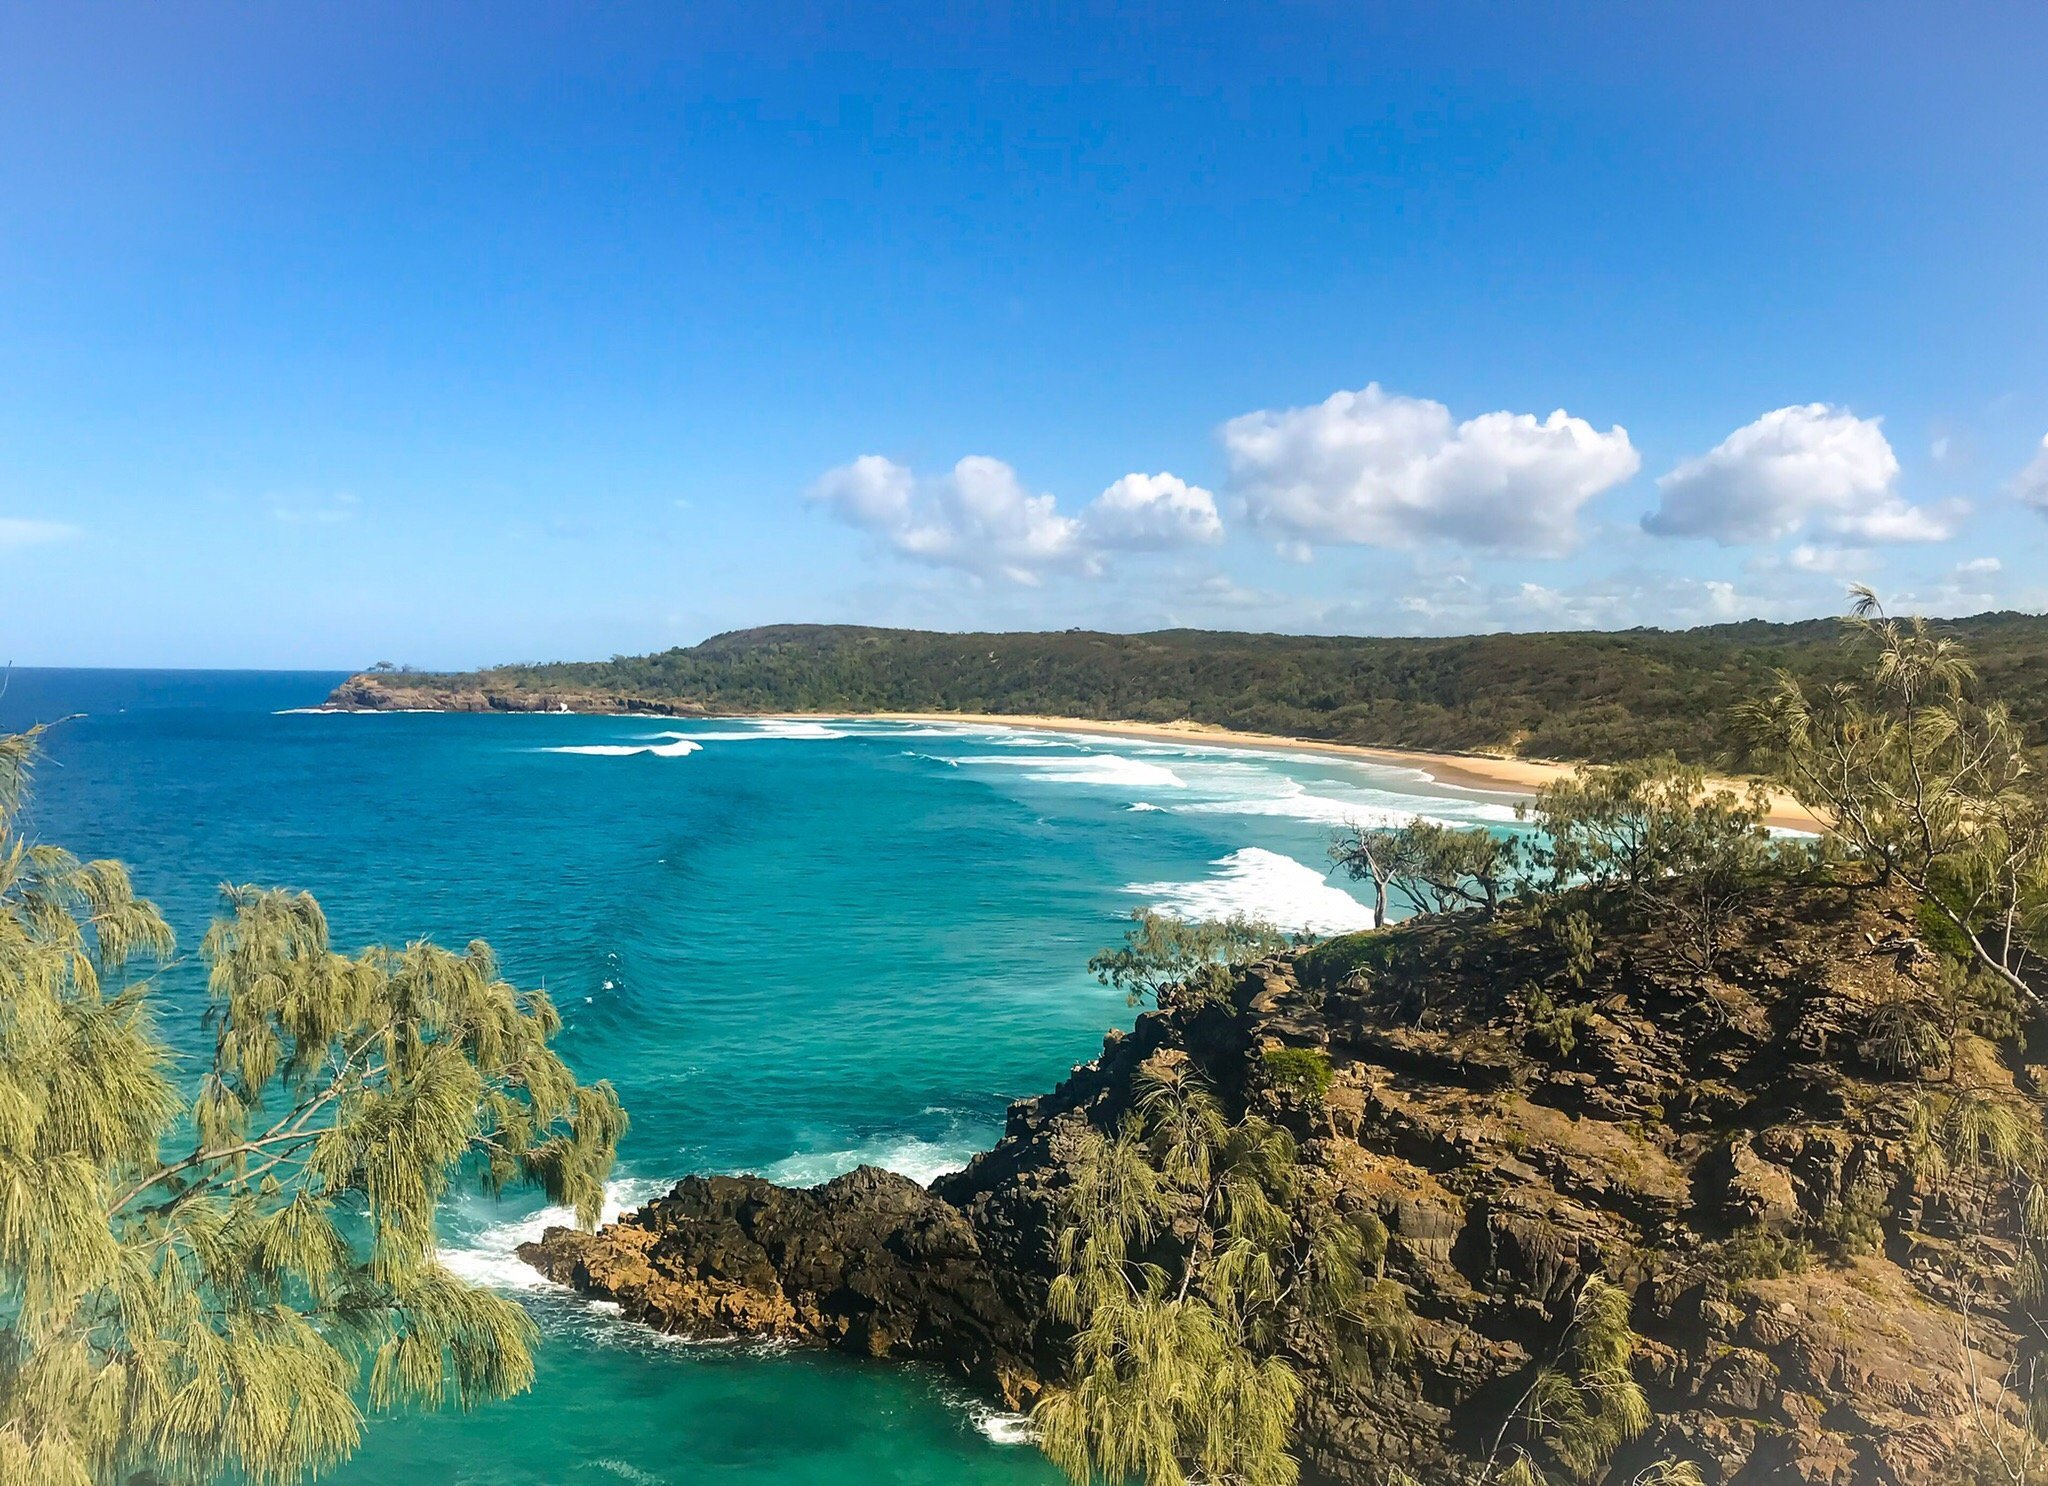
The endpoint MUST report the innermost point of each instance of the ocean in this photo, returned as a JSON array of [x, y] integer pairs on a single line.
[[793, 946]]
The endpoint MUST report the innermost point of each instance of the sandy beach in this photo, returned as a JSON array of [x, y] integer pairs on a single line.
[[1483, 772]]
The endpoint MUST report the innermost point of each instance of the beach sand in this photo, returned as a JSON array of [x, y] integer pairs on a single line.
[[1507, 776]]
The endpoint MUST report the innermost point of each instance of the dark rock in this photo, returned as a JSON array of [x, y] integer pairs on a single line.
[[1504, 1175]]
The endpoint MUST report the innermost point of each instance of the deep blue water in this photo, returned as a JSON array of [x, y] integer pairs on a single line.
[[793, 947]]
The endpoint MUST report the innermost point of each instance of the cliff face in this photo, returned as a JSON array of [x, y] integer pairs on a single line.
[[373, 693], [1723, 1146]]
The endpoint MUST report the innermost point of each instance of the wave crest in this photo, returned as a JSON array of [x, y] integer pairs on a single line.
[[1261, 884]]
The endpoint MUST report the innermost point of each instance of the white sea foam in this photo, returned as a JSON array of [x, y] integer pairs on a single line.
[[768, 730], [490, 1255], [1261, 884], [629, 1472], [923, 1161], [1092, 768], [924, 732], [676, 749], [1143, 806], [1294, 801], [1002, 1428]]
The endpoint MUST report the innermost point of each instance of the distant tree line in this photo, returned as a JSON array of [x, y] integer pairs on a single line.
[[1590, 696]]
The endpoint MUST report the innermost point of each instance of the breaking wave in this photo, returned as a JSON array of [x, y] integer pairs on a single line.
[[490, 1255], [923, 1161], [774, 729], [1261, 884], [676, 749], [1091, 768]]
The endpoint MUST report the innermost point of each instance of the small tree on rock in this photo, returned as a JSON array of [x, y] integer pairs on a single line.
[[1165, 958]]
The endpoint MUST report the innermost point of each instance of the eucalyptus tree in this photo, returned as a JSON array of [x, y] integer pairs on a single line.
[[1439, 868], [211, 1271]]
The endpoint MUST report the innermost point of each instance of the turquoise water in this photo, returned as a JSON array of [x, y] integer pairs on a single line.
[[793, 948]]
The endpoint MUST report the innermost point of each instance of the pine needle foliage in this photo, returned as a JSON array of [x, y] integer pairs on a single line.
[[1927, 784], [213, 1285], [1582, 1405], [1190, 1266]]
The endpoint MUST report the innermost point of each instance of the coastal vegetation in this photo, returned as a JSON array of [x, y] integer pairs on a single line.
[[1603, 697], [1164, 957], [1177, 1370], [208, 1268], [1656, 1148]]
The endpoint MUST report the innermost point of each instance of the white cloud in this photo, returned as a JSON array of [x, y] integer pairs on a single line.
[[980, 518], [23, 531], [1980, 565], [1383, 470], [1815, 467], [871, 491], [2031, 483], [1149, 512], [1456, 600], [1838, 561]]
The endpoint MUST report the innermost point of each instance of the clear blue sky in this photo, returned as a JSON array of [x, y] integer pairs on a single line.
[[451, 334]]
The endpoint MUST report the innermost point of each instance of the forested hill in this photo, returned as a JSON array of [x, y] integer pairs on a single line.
[[1564, 696]]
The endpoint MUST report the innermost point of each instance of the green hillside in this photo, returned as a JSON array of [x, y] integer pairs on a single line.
[[1563, 696]]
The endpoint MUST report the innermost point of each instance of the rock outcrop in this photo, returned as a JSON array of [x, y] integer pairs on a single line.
[[369, 692], [869, 1262], [1720, 1145]]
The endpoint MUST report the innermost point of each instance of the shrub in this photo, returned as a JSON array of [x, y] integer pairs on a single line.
[[1304, 1072]]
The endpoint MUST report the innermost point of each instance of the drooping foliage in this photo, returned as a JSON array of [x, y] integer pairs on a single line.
[[1583, 1404], [1926, 783], [204, 1272], [1164, 957], [1189, 1249]]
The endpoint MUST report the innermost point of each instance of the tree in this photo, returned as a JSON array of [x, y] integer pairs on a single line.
[[1379, 854], [1690, 854], [1438, 868], [1983, 1152], [1165, 958], [201, 1286], [1186, 1253], [1583, 1404], [1927, 785], [1615, 824]]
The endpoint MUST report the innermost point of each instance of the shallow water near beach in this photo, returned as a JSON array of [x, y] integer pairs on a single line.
[[793, 946]]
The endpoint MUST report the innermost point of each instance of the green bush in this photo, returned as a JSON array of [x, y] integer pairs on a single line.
[[1304, 1072]]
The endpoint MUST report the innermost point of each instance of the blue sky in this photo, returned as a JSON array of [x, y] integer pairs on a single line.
[[447, 334]]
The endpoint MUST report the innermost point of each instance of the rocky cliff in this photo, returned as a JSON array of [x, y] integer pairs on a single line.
[[370, 692], [1744, 1150]]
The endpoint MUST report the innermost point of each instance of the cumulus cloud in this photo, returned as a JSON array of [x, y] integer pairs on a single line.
[[2031, 483], [1813, 468], [1152, 512], [23, 531], [1379, 469], [981, 518]]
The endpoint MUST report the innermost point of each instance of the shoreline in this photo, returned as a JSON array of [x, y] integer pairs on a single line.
[[1481, 773]]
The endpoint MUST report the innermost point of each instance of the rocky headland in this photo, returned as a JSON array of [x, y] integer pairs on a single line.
[[371, 692], [1744, 1151]]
